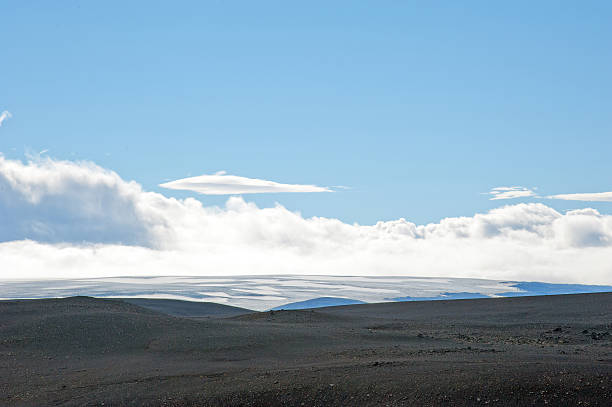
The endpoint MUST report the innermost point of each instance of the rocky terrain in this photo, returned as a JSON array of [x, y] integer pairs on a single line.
[[549, 350]]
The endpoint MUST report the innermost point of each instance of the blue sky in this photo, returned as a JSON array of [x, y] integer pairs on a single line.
[[418, 108]]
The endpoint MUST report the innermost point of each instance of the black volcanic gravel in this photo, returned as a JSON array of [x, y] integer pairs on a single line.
[[553, 350]]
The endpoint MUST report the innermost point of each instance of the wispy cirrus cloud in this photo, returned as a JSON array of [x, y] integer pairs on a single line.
[[5, 115], [586, 197], [223, 184], [510, 193], [499, 193]]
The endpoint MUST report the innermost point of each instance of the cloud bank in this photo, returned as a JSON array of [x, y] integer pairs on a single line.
[[5, 115], [76, 219], [223, 184], [510, 193]]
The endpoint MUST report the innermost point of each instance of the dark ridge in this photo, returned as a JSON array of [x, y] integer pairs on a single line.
[[188, 309]]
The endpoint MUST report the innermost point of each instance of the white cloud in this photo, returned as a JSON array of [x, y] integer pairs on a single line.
[[223, 184], [5, 115], [510, 193], [589, 197], [76, 219], [62, 201]]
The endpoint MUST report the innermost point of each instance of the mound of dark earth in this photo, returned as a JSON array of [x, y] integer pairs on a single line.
[[190, 309], [553, 350]]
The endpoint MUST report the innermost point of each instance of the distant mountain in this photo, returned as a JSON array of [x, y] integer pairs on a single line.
[[535, 288], [261, 292], [525, 289], [318, 303]]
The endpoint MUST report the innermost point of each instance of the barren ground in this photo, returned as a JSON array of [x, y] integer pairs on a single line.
[[553, 350]]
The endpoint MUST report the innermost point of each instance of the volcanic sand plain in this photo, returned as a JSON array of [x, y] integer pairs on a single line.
[[547, 350]]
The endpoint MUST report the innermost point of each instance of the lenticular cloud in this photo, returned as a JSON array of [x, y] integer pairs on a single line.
[[223, 184], [76, 219]]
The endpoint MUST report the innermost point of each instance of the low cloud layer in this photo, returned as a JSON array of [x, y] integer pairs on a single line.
[[76, 219], [5, 115], [223, 184], [586, 197], [510, 193]]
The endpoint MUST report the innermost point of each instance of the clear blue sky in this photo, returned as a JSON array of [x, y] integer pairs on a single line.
[[419, 108]]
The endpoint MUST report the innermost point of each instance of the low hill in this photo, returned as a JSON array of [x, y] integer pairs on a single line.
[[190, 309]]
